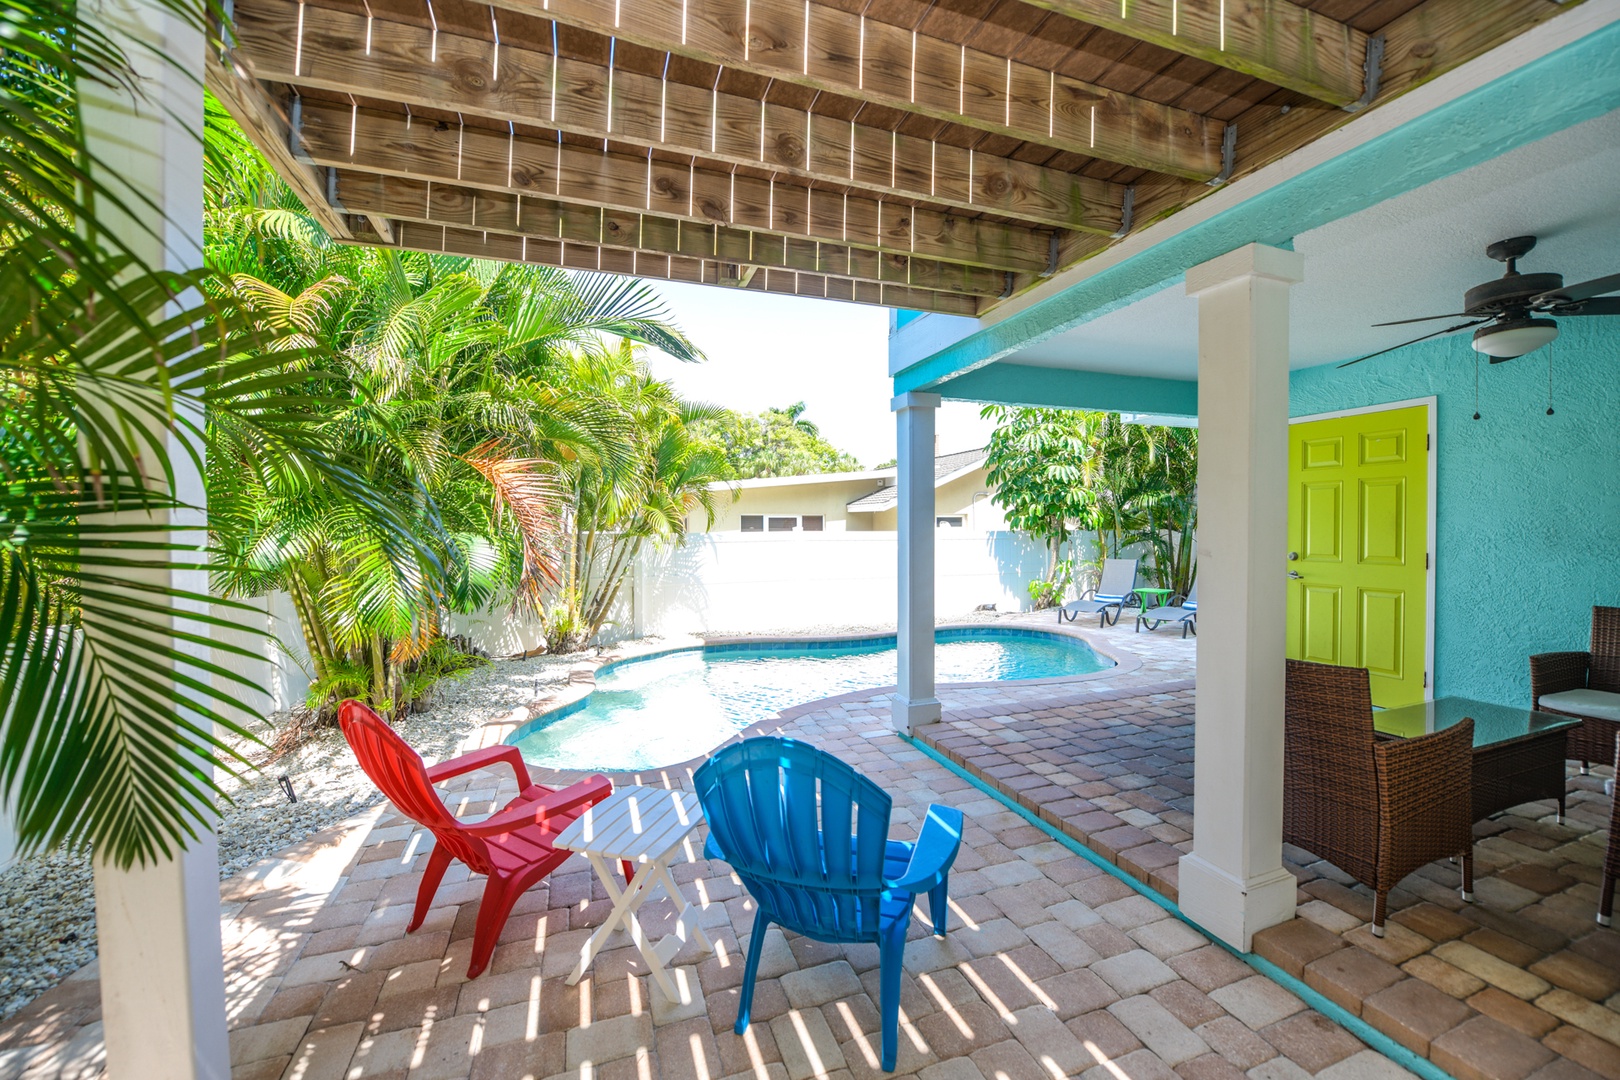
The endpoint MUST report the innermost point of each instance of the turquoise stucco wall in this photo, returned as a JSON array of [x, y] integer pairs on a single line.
[[1528, 505]]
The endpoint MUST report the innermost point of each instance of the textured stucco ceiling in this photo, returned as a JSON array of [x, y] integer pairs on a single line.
[[1412, 255]]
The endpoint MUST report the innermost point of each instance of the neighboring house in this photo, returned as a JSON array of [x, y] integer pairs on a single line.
[[864, 501]]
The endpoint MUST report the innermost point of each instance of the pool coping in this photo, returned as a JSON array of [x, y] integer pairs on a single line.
[[582, 682]]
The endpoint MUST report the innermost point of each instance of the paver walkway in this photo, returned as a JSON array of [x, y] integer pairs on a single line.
[[1052, 968], [1521, 983]]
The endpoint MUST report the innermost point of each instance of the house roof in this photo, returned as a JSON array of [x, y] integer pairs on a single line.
[[947, 467]]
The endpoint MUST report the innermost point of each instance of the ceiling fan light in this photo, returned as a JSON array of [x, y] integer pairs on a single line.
[[1514, 337]]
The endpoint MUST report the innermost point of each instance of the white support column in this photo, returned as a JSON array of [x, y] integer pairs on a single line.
[[158, 931], [1234, 884], [914, 702]]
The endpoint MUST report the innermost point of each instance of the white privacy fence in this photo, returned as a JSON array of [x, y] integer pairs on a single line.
[[755, 582], [722, 582]]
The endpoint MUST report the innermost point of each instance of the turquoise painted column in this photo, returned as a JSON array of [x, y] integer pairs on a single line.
[[1234, 884], [914, 702]]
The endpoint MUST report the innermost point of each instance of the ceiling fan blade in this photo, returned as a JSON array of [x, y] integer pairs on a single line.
[[1584, 291], [1414, 341], [1426, 318], [1598, 305]]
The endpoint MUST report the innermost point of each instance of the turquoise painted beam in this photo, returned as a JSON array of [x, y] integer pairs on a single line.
[[1063, 388], [1556, 91]]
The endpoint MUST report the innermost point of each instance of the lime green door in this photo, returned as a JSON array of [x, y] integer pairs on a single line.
[[1358, 490]]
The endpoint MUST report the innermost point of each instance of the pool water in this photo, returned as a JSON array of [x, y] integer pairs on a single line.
[[676, 706]]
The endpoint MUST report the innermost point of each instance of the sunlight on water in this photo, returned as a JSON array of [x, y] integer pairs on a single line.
[[671, 708]]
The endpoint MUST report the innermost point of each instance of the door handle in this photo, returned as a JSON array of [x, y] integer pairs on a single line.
[[1296, 574]]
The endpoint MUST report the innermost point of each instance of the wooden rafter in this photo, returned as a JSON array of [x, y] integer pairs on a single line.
[[428, 203], [268, 128], [810, 44], [347, 53], [828, 49], [576, 256], [1275, 40], [337, 135]]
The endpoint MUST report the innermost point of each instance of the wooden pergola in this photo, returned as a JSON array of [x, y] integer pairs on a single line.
[[939, 155]]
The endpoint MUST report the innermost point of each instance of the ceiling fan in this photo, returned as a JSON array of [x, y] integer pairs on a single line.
[[1513, 314]]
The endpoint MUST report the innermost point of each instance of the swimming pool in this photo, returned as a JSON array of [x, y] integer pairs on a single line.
[[674, 706]]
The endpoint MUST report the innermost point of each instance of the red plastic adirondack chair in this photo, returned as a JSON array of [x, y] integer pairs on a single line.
[[513, 847]]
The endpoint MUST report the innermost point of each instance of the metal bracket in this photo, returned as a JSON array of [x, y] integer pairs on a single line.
[[1007, 287], [1228, 155], [1372, 70], [1051, 256], [227, 28], [295, 132], [331, 191], [1127, 212]]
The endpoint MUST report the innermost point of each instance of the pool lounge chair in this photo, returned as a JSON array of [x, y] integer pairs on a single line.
[[1118, 585], [1185, 613]]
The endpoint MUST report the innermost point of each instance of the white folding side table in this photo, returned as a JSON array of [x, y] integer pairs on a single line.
[[644, 826]]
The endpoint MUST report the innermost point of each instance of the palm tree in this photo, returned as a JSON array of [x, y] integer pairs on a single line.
[[613, 506], [105, 738], [460, 401]]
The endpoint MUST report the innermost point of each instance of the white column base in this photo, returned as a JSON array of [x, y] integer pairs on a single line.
[[162, 989], [1234, 910], [907, 715]]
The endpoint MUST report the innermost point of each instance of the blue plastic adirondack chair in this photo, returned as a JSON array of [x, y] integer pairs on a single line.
[[809, 836]]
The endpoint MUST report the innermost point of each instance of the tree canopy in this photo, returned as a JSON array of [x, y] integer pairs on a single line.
[[1059, 471], [776, 442]]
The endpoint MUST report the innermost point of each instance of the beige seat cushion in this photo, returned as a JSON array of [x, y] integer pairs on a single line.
[[1596, 703]]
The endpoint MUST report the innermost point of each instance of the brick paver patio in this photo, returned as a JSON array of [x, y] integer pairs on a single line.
[[1052, 967], [1521, 981]]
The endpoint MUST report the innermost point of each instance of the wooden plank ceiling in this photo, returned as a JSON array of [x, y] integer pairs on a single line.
[[941, 155]]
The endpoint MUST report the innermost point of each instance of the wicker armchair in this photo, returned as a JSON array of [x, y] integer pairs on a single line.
[[1611, 864], [1596, 669], [1376, 808]]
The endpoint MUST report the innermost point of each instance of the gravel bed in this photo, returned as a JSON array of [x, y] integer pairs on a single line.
[[47, 903]]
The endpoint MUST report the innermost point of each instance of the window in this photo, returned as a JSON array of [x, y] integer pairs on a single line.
[[753, 523], [811, 523], [783, 524], [948, 522]]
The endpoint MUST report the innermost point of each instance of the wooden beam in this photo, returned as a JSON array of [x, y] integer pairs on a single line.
[[845, 53], [1424, 43], [340, 52], [869, 61], [568, 255], [386, 198], [1274, 40], [247, 103], [341, 136]]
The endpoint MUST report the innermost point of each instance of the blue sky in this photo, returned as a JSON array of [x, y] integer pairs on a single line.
[[769, 350]]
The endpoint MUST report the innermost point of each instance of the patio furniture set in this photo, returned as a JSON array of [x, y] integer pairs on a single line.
[[806, 834], [1377, 794], [1380, 794], [1116, 590]]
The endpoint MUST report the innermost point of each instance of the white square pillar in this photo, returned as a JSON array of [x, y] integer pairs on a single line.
[[158, 931], [914, 702], [1234, 884]]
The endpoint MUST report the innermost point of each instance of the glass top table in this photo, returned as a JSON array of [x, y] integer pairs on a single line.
[[1493, 724], [1518, 753]]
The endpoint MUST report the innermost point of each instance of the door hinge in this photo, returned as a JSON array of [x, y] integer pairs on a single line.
[[1425, 560], [1428, 442], [1425, 680]]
